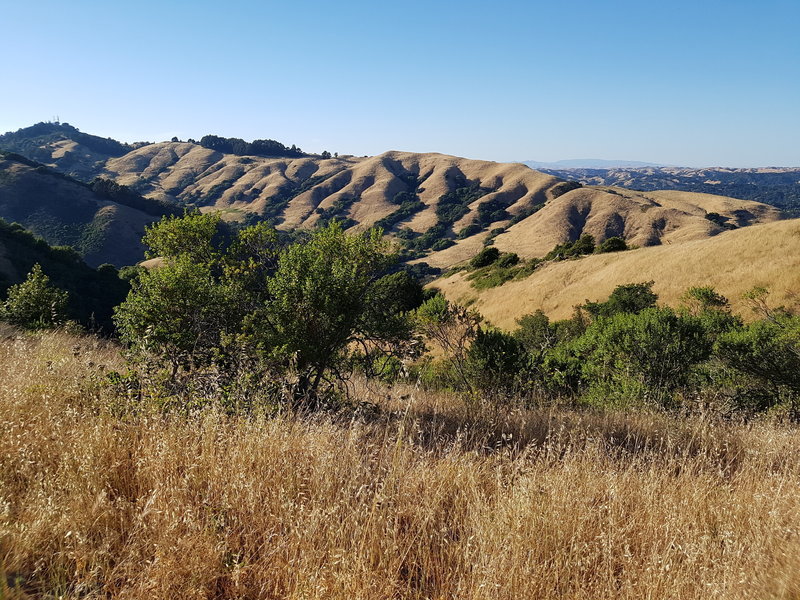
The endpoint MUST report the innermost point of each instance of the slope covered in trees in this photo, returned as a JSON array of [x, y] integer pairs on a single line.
[[93, 293], [102, 220], [237, 146]]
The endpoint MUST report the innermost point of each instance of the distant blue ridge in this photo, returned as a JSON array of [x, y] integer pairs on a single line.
[[589, 163]]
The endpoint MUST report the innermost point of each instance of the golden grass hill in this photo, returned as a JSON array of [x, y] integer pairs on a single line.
[[97, 195]]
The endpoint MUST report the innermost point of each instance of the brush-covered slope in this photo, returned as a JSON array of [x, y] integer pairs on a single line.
[[64, 212], [762, 255], [93, 292]]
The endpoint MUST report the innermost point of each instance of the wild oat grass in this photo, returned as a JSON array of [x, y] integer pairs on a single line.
[[423, 499]]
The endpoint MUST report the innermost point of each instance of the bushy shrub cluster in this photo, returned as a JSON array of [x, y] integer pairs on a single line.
[[490, 268], [628, 351], [248, 310]]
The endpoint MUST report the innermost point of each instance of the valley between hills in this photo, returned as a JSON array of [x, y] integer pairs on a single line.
[[98, 195]]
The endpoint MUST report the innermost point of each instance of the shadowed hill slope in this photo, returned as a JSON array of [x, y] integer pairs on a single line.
[[733, 262], [93, 292], [65, 212]]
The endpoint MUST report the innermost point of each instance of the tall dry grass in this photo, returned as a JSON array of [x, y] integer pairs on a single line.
[[421, 500]]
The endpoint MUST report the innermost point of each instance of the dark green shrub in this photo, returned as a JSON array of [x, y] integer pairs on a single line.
[[563, 187], [491, 276], [626, 298], [442, 244], [469, 230], [507, 259], [767, 350], [491, 211], [720, 220], [496, 362], [401, 197], [35, 303], [642, 356], [583, 245], [407, 209], [484, 258], [612, 244], [536, 333]]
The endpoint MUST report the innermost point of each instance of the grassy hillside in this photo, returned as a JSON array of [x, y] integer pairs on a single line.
[[193, 174], [442, 209], [105, 496], [732, 262], [642, 219]]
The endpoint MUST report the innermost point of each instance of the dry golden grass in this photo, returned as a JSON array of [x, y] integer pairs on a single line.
[[185, 171], [641, 218], [425, 500], [732, 262], [60, 149]]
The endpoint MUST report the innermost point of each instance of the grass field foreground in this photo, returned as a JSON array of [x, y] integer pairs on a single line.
[[425, 498]]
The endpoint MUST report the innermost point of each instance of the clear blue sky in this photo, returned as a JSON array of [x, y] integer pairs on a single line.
[[695, 83]]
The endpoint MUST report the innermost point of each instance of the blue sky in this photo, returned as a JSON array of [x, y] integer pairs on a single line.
[[697, 83]]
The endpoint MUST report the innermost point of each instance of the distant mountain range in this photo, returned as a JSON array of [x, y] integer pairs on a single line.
[[98, 194], [588, 163]]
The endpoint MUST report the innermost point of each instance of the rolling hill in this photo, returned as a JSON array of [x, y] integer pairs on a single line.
[[442, 209], [455, 202], [64, 147], [733, 262]]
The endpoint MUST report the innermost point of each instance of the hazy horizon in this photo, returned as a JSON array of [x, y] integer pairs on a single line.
[[697, 85]]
